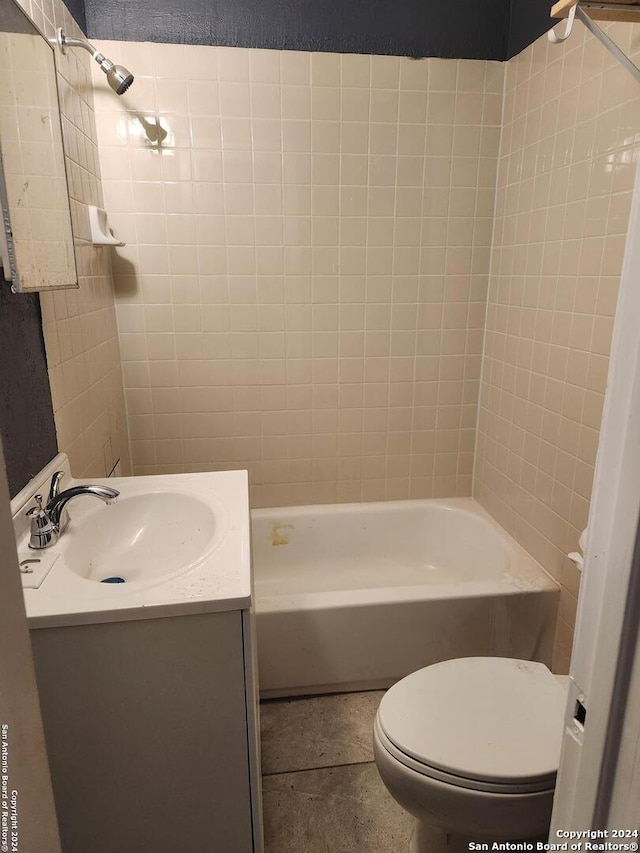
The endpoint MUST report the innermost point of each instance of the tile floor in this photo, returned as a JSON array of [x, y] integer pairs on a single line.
[[322, 792]]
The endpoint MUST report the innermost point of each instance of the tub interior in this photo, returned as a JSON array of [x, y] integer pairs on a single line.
[[354, 597], [317, 549]]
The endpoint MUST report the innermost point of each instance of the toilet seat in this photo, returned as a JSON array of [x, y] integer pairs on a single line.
[[458, 781], [488, 724]]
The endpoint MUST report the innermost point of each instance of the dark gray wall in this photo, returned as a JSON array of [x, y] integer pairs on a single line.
[[528, 20], [26, 413], [76, 7], [471, 29], [466, 28]]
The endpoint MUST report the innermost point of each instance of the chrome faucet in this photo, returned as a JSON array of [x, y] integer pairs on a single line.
[[55, 507], [49, 522]]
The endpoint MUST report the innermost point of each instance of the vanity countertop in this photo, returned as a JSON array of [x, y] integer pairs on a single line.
[[181, 542]]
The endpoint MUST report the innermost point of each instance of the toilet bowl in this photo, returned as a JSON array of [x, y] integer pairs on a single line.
[[470, 747]]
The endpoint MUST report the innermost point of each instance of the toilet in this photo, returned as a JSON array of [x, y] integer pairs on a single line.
[[470, 747]]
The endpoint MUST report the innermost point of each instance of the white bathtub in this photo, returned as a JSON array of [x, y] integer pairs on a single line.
[[355, 596]]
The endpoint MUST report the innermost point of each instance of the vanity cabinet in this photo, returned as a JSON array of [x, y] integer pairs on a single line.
[[151, 730]]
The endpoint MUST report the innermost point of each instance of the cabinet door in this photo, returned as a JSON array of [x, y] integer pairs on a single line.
[[145, 724]]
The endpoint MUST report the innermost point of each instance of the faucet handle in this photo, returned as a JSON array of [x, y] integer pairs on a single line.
[[36, 511], [43, 530]]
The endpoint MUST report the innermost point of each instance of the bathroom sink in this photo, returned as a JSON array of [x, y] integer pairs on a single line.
[[140, 538], [174, 544]]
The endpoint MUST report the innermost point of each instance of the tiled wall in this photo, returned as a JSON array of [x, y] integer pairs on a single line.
[[567, 163], [303, 288], [80, 325]]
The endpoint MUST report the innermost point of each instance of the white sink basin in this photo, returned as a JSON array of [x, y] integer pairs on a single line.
[[179, 542], [139, 538]]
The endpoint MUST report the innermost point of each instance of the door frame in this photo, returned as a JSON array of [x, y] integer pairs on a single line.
[[606, 635]]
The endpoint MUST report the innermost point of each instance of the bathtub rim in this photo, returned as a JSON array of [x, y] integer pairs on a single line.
[[525, 574]]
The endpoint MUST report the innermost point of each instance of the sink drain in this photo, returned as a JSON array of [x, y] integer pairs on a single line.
[[114, 579]]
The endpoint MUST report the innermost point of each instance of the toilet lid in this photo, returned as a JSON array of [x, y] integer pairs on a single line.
[[488, 719]]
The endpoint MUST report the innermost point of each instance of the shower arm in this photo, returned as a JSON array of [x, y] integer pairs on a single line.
[[63, 42], [119, 78]]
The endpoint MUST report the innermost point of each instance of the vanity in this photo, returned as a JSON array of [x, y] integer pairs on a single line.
[[148, 683]]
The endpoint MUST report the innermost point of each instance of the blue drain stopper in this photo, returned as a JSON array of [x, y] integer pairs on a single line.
[[113, 580]]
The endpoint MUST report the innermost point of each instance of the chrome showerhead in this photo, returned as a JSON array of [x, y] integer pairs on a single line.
[[118, 77]]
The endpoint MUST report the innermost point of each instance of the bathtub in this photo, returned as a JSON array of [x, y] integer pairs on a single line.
[[356, 596]]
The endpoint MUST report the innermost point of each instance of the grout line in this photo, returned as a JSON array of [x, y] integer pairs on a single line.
[[321, 767]]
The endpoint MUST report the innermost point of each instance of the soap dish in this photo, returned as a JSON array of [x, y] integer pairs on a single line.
[[101, 233]]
